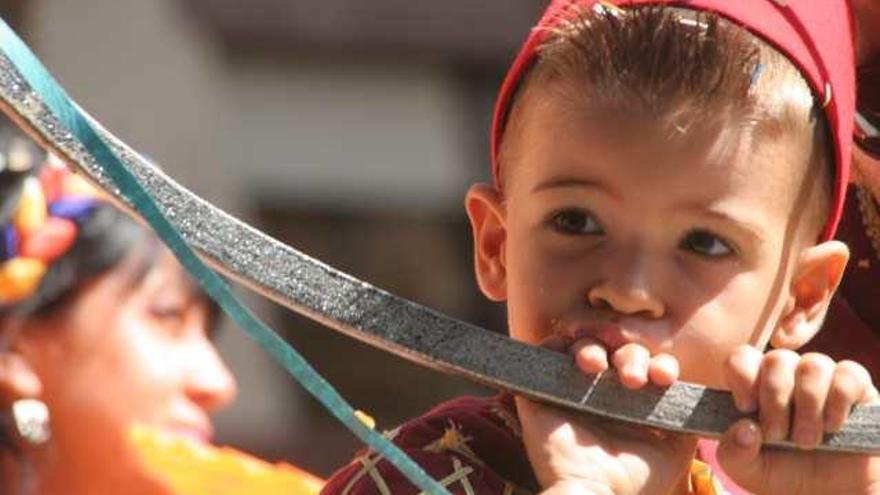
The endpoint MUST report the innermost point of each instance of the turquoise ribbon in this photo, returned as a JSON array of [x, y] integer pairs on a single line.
[[70, 117]]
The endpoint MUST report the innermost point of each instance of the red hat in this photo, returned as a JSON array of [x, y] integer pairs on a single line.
[[816, 35]]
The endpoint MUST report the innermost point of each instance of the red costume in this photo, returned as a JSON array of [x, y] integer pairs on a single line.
[[471, 445], [854, 318]]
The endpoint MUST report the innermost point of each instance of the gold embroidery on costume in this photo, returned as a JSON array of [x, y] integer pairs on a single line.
[[870, 217], [391, 434], [510, 420], [465, 481], [377, 478], [454, 441], [459, 473], [368, 466]]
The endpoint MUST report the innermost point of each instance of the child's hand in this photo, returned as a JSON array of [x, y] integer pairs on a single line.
[[574, 454], [634, 364], [798, 398]]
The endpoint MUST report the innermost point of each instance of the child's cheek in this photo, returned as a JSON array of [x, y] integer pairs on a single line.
[[701, 358], [528, 320], [538, 307], [706, 339]]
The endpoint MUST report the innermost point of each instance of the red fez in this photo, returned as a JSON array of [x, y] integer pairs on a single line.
[[816, 35]]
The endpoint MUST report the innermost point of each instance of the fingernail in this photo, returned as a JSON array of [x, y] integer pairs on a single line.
[[831, 425], [636, 376], [775, 434], [747, 435], [804, 437]]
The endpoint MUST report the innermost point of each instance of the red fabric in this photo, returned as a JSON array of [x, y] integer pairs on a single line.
[[855, 311], [493, 453], [816, 35]]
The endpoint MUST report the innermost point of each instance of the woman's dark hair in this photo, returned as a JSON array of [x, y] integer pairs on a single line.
[[106, 237]]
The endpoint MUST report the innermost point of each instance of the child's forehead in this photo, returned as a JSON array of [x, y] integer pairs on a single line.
[[554, 140], [717, 136], [816, 36]]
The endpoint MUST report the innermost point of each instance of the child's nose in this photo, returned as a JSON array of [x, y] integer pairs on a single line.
[[626, 287]]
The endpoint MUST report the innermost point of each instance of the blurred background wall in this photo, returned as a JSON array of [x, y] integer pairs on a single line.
[[347, 128]]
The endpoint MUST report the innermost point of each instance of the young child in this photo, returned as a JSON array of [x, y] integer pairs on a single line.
[[666, 185]]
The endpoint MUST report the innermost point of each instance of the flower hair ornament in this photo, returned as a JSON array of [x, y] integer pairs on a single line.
[[44, 222]]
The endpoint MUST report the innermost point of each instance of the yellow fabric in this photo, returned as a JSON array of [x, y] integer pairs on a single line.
[[703, 482], [192, 468]]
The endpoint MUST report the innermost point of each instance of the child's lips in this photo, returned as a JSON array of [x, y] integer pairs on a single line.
[[611, 335]]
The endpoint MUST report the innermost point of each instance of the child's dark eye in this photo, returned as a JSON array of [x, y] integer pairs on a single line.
[[575, 222], [706, 244]]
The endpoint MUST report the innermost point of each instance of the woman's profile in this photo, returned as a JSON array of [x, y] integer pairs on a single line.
[[100, 330]]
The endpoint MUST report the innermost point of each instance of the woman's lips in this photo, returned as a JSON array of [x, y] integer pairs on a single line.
[[199, 433]]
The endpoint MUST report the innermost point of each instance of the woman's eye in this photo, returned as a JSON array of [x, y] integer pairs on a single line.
[[168, 315], [706, 244], [575, 222]]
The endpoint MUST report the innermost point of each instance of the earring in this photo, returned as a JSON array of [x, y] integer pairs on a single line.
[[31, 418]]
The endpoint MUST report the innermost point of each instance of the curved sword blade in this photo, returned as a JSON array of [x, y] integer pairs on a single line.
[[392, 323]]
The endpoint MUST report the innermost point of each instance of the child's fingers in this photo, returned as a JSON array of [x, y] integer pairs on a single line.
[[850, 385], [775, 388], [812, 382], [590, 355], [741, 371], [663, 370], [632, 361]]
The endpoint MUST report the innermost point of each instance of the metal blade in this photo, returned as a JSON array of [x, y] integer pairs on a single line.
[[392, 323]]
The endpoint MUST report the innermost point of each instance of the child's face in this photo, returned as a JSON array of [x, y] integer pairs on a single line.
[[607, 228]]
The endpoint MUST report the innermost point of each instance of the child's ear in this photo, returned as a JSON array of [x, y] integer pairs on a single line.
[[485, 210], [817, 274]]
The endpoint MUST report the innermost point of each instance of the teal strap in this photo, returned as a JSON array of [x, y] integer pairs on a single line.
[[70, 117]]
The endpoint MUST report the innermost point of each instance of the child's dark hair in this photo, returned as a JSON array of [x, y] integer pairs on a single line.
[[681, 69]]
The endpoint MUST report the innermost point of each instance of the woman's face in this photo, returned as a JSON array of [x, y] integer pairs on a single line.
[[124, 354]]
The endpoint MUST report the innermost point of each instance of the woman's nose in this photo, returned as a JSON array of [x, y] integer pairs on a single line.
[[626, 287], [209, 382]]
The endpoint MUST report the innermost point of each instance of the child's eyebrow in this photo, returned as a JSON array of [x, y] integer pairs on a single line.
[[571, 182], [742, 225]]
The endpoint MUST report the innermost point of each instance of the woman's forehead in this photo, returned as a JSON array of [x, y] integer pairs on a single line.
[[164, 272]]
